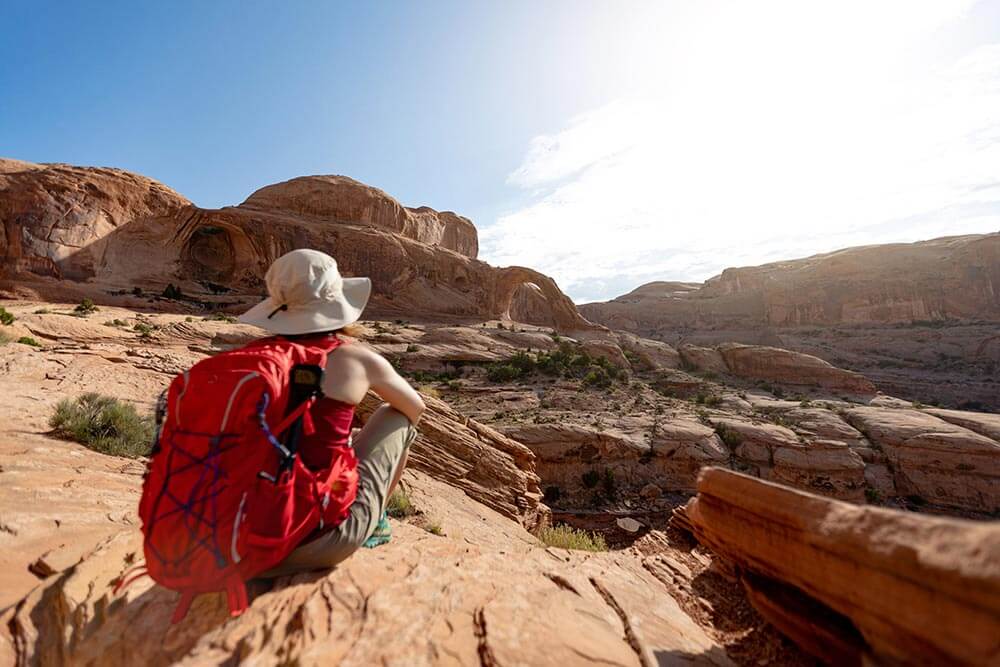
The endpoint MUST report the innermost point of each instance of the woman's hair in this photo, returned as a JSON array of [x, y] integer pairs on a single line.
[[353, 330]]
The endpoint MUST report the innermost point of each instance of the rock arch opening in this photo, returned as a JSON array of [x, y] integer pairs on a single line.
[[209, 254]]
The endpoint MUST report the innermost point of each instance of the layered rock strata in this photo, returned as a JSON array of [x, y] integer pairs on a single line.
[[113, 231], [853, 583]]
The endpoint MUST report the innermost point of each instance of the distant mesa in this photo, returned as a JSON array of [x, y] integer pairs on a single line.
[[956, 277]]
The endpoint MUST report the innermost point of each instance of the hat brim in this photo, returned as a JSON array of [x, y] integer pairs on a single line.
[[314, 317]]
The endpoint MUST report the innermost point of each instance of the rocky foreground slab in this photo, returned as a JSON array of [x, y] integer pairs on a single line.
[[849, 582]]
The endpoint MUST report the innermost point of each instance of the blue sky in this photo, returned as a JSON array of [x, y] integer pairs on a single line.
[[605, 143]]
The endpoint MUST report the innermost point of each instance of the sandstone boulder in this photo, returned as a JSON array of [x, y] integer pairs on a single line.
[[777, 453], [704, 359], [652, 354], [850, 583], [934, 460], [602, 349], [637, 452], [786, 367]]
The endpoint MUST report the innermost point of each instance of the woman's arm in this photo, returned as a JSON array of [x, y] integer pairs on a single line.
[[392, 388]]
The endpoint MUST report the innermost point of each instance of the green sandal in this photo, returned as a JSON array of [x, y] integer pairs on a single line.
[[382, 534]]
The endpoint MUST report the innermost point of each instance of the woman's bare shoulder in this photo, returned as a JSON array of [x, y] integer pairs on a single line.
[[358, 352]]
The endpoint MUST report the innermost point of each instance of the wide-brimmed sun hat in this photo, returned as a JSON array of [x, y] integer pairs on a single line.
[[307, 294]]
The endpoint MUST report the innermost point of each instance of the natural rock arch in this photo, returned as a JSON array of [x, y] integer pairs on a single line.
[[563, 314]]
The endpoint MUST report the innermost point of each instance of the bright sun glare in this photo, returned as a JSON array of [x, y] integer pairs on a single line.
[[762, 131]]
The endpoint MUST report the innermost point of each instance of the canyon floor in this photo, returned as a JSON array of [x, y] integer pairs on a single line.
[[607, 432]]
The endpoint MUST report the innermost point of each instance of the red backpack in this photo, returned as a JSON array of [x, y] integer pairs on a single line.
[[225, 496]]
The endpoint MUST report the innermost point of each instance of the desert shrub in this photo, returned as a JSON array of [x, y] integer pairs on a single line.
[[872, 495], [136, 291], [221, 317], [85, 307], [4, 338], [42, 311], [429, 390], [517, 367], [144, 329], [566, 537], [597, 377], [434, 528], [399, 505], [412, 348], [172, 291], [778, 392], [590, 478], [6, 318], [116, 323], [731, 437], [566, 361], [28, 340], [104, 424]]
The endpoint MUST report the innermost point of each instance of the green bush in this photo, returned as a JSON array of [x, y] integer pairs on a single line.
[[566, 537], [412, 348], [28, 340], [567, 361], [731, 437], [85, 307], [104, 424], [6, 318], [42, 311], [597, 377], [221, 317], [172, 291], [399, 505], [144, 329], [4, 338], [434, 528]]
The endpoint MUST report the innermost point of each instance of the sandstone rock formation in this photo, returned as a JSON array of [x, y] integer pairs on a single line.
[[946, 278], [57, 218], [919, 320], [115, 231], [933, 459], [340, 199], [485, 592], [848, 582], [756, 362]]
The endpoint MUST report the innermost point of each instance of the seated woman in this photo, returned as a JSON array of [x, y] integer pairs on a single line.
[[312, 304]]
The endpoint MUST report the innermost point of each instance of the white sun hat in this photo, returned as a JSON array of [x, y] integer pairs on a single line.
[[307, 294]]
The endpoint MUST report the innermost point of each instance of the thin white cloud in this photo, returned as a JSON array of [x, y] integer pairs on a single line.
[[768, 143]]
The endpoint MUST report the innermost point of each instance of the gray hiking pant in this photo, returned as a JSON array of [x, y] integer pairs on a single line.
[[380, 447]]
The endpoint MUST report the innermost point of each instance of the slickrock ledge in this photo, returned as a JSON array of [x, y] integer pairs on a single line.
[[485, 592], [900, 587], [487, 465]]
